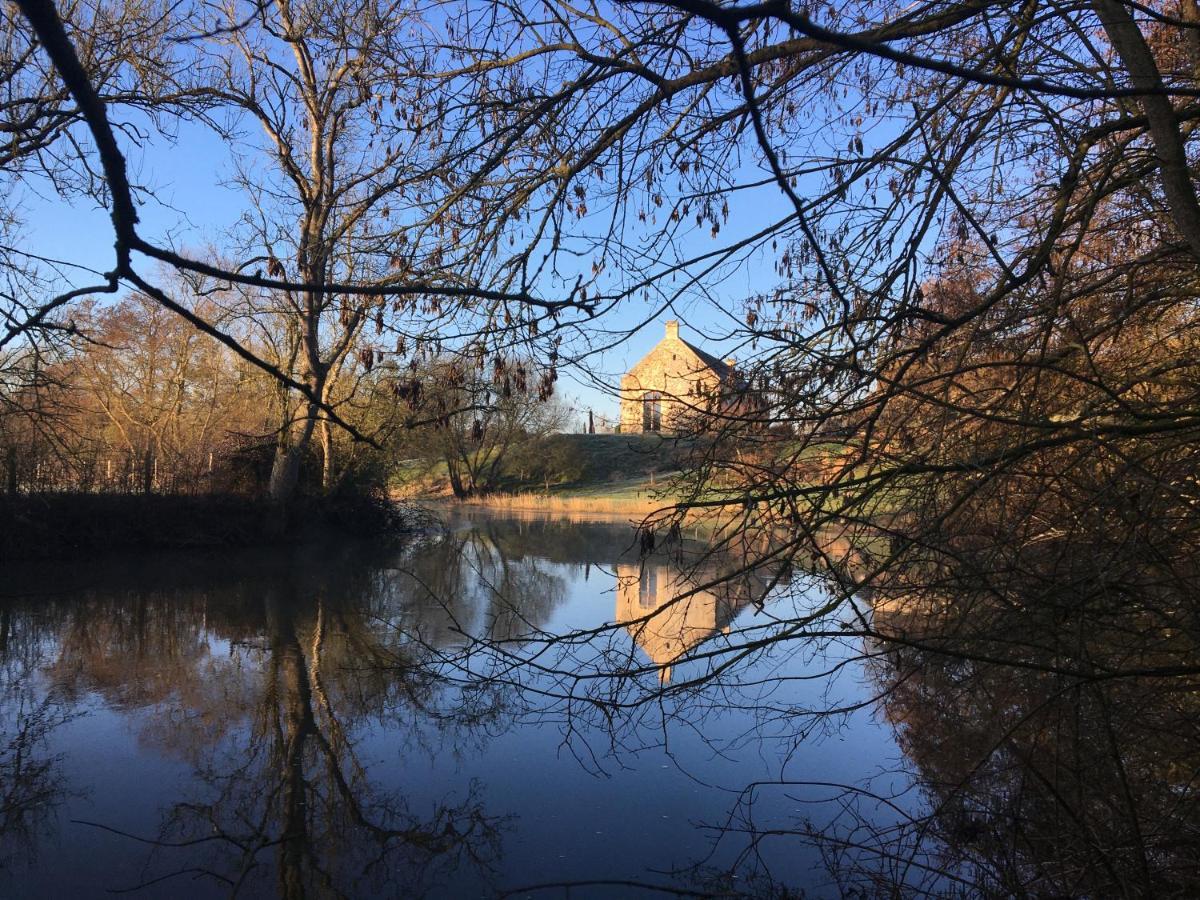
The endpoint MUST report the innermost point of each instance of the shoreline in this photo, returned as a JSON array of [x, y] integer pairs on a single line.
[[72, 525], [549, 503]]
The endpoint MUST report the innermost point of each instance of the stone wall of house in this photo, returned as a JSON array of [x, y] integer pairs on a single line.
[[673, 376]]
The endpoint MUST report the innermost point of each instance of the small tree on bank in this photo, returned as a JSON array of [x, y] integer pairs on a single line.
[[472, 423]]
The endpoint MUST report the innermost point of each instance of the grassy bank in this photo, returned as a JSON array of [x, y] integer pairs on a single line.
[[42, 526], [622, 466]]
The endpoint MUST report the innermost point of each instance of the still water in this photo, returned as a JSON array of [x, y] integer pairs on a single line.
[[356, 721], [542, 708]]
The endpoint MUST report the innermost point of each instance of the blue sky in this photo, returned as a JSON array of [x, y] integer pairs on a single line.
[[189, 206]]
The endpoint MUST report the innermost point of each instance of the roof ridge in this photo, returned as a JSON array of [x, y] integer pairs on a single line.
[[714, 362]]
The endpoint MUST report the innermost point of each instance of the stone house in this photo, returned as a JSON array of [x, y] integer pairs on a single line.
[[673, 381]]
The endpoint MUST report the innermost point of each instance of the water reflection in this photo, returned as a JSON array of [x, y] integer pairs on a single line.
[[262, 678], [291, 782], [1050, 787], [1056, 745], [667, 609], [375, 722], [278, 700], [32, 786]]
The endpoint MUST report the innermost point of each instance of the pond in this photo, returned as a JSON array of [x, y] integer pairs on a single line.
[[507, 707], [332, 720]]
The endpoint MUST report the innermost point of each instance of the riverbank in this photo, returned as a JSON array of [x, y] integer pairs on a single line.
[[567, 465], [635, 506], [48, 526]]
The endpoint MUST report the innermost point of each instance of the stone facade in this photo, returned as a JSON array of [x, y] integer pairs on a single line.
[[671, 383]]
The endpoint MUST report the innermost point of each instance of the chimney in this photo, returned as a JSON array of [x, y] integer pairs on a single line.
[[672, 328], [731, 362]]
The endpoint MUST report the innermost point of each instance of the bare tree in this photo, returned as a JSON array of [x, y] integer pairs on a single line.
[[471, 423], [331, 273], [976, 314], [973, 233]]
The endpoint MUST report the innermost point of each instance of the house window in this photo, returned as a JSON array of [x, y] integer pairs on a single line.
[[652, 411]]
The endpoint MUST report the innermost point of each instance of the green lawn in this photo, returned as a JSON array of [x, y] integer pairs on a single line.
[[618, 466]]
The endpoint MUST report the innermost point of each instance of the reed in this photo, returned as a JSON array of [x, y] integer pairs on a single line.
[[636, 509], [639, 506]]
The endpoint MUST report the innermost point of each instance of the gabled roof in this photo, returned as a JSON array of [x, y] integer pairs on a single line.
[[719, 366]]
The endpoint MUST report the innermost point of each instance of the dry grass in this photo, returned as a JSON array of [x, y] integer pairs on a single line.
[[636, 509], [624, 506]]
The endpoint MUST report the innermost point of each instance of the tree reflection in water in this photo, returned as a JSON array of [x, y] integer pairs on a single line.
[[1051, 737], [280, 799], [1049, 748], [1048, 717], [291, 784], [1057, 749], [31, 783]]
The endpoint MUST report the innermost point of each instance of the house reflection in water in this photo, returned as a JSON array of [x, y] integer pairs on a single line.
[[668, 616]]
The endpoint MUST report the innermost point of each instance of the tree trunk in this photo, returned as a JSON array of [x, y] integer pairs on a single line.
[[148, 472], [1189, 11], [456, 482], [326, 456], [285, 471], [1163, 123]]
